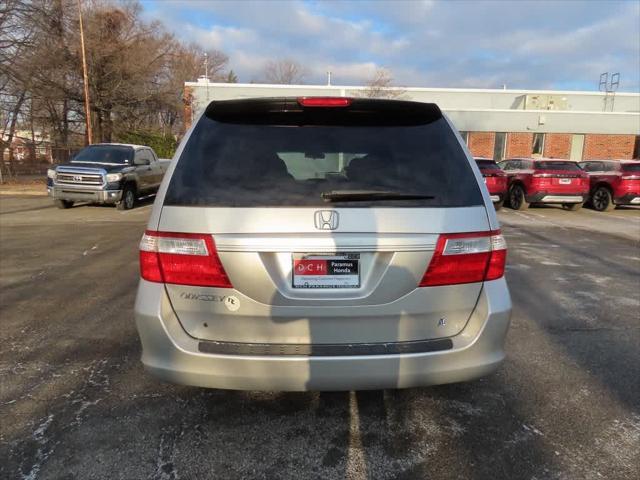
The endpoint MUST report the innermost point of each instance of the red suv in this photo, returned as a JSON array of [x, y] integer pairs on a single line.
[[613, 182], [541, 180], [495, 179]]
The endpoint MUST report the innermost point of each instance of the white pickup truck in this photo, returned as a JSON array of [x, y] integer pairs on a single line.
[[113, 173]]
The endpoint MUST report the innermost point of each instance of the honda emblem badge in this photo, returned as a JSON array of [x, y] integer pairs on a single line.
[[326, 219]]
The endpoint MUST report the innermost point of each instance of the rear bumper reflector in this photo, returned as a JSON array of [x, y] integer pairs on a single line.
[[325, 349]]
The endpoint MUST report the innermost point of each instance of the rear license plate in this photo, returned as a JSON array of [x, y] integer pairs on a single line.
[[565, 181], [340, 270]]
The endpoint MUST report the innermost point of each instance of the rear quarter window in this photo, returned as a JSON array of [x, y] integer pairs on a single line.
[[246, 164]]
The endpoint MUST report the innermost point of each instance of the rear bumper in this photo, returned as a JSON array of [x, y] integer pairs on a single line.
[[496, 197], [169, 353], [553, 197], [628, 199], [84, 195]]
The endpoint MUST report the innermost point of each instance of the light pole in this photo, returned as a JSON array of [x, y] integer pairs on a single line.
[[87, 110]]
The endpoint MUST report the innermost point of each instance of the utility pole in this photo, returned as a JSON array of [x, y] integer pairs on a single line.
[[87, 110]]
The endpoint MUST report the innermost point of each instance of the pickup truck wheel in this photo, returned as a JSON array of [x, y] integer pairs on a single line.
[[64, 204], [128, 200], [601, 200], [517, 199], [572, 206]]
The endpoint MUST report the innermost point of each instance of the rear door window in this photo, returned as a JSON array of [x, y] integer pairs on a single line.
[[148, 154], [246, 163], [591, 166], [505, 165]]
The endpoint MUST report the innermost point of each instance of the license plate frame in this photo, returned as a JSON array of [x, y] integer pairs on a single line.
[[322, 271], [565, 181]]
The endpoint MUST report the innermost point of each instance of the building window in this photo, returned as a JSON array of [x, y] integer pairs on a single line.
[[465, 137], [538, 144], [499, 146], [636, 148]]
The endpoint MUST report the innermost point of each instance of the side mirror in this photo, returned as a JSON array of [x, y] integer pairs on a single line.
[[142, 161]]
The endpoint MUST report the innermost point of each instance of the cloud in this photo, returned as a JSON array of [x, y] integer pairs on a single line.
[[524, 44]]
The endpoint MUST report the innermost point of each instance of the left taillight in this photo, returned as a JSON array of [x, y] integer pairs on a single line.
[[182, 259], [466, 258]]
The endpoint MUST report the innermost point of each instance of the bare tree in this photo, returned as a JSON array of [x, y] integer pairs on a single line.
[[381, 85], [137, 71], [17, 38], [286, 71], [186, 63]]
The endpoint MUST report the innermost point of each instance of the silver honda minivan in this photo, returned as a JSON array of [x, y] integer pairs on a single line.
[[322, 243]]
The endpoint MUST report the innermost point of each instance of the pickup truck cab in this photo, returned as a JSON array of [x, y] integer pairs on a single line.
[[542, 180], [613, 182], [495, 180], [110, 173]]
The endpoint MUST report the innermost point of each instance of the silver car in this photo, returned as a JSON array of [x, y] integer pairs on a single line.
[[322, 244]]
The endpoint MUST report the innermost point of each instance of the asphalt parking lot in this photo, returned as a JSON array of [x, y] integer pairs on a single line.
[[76, 403]]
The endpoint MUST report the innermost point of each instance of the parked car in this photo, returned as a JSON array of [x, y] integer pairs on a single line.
[[495, 179], [613, 182], [543, 180], [110, 173], [322, 244]]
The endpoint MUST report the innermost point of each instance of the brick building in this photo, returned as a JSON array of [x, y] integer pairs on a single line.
[[495, 123], [575, 146]]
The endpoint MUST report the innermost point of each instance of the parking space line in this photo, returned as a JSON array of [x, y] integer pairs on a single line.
[[523, 215], [625, 218], [138, 209]]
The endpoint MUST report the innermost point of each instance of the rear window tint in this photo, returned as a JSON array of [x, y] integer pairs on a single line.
[[487, 165], [265, 165], [631, 167], [557, 166]]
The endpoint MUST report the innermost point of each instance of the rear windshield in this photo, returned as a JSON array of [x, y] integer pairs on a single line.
[[557, 166], [487, 165], [631, 167], [599, 166], [245, 164], [105, 154]]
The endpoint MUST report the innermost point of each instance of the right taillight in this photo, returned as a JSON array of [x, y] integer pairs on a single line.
[[466, 258], [182, 259]]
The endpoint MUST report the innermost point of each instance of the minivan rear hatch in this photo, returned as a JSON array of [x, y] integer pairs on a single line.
[[324, 218]]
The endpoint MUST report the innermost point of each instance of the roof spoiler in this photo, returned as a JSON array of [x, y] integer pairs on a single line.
[[323, 111]]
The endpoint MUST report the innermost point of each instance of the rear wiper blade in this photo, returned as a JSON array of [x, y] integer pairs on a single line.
[[371, 195]]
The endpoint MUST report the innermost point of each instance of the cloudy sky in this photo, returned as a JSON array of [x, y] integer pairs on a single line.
[[456, 43]]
